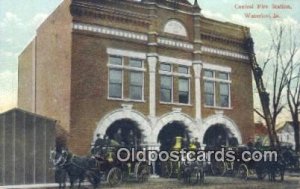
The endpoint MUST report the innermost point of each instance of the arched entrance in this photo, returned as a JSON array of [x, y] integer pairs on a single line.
[[137, 119], [125, 130], [217, 135], [166, 136], [216, 124]]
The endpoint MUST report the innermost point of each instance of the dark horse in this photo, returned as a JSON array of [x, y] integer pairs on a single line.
[[192, 172], [273, 168], [77, 168]]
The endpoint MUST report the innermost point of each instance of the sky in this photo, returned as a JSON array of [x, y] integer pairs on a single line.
[[19, 20]]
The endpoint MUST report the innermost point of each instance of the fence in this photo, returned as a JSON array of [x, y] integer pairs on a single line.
[[25, 143]]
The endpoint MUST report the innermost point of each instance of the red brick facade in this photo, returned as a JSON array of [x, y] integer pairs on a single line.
[[63, 73]]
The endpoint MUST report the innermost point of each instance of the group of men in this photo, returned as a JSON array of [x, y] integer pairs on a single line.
[[194, 144], [116, 141]]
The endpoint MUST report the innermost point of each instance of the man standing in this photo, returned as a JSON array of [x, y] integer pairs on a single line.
[[118, 136]]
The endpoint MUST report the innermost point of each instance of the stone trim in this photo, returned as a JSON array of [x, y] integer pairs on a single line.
[[110, 31], [175, 43], [224, 53], [124, 113], [172, 60], [215, 67], [161, 40], [220, 119], [174, 116], [126, 53]]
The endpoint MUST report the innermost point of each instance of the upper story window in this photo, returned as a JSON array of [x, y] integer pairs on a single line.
[[136, 80], [168, 74], [183, 69], [127, 72], [115, 60], [166, 67], [115, 77], [216, 89]]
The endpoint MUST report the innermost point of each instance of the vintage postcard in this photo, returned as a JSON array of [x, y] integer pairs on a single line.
[[149, 94]]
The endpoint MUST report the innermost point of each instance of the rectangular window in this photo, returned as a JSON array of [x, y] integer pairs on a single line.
[[166, 88], [136, 85], [115, 60], [183, 69], [224, 94], [165, 67], [183, 90], [136, 63], [209, 93], [208, 73], [115, 83], [223, 75]]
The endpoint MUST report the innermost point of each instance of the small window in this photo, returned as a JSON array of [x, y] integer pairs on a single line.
[[183, 69], [115, 83], [209, 93], [136, 85], [208, 73], [224, 94], [115, 60], [183, 90], [166, 88], [166, 67], [136, 63], [223, 75]]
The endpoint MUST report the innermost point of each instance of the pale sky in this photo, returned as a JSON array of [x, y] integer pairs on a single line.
[[19, 20]]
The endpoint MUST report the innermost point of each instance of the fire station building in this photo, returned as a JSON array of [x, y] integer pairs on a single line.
[[158, 69]]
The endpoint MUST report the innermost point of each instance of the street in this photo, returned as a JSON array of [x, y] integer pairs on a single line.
[[291, 182]]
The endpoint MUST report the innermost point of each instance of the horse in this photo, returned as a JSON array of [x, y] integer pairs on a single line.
[[60, 172], [271, 168], [78, 168], [192, 172]]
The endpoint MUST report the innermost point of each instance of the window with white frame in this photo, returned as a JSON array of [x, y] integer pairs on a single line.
[[136, 80], [183, 90], [133, 69], [115, 77], [216, 89], [166, 83]]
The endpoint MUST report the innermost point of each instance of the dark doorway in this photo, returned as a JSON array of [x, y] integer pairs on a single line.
[[217, 135], [129, 132], [168, 133]]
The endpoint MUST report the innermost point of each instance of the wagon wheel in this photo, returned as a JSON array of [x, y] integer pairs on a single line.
[[201, 176], [243, 171], [142, 172], [166, 169], [261, 176], [218, 168], [114, 177]]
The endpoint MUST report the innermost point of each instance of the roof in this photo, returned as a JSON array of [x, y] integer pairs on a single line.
[[26, 112]]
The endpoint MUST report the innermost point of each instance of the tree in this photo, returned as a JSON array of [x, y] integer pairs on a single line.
[[293, 88], [277, 67]]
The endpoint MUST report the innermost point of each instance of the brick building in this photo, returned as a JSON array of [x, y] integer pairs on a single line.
[[156, 68]]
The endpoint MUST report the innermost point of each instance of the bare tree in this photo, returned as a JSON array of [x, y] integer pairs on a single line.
[[277, 66], [293, 88]]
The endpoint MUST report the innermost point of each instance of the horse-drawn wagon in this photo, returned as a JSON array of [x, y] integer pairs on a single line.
[[190, 172]]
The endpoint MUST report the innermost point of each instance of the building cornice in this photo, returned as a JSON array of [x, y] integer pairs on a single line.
[[161, 41], [109, 12]]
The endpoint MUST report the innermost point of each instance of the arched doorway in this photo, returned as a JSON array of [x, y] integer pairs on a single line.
[[167, 134], [218, 135], [127, 130]]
